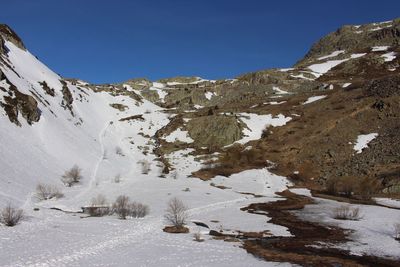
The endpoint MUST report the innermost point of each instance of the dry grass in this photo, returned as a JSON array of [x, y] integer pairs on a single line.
[[45, 192], [397, 231], [10, 216], [346, 212], [72, 176]]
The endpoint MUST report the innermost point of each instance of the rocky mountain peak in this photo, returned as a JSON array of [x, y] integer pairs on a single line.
[[356, 38], [6, 33]]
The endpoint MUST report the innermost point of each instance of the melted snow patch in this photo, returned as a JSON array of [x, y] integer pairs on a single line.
[[379, 48], [389, 56], [313, 99], [346, 85], [333, 54], [322, 68], [256, 124], [209, 95], [279, 91], [363, 140], [179, 135]]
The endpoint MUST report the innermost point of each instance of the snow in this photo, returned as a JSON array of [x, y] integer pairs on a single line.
[[257, 123], [276, 103], [209, 95], [379, 48], [279, 91], [372, 234], [357, 55], [363, 140], [286, 69], [179, 135], [159, 88], [333, 54], [313, 99], [389, 56], [394, 203], [346, 85], [301, 76], [322, 68]]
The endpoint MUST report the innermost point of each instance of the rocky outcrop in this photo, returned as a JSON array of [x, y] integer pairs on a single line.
[[214, 130], [21, 103], [67, 97], [356, 38], [8, 34]]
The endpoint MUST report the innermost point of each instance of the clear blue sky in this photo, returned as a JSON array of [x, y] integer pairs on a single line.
[[111, 41]]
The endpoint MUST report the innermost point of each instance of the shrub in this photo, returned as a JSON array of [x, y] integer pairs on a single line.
[[99, 206], [11, 216], [72, 176], [121, 206], [138, 210], [397, 231], [366, 187], [119, 152], [265, 131], [45, 192], [117, 178], [145, 166], [176, 212], [346, 213]]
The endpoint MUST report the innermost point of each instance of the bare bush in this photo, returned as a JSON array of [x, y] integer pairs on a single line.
[[265, 132], [346, 213], [145, 166], [138, 210], [11, 216], [121, 206], [99, 206], [119, 152], [397, 231], [117, 178], [45, 192], [72, 176], [176, 213]]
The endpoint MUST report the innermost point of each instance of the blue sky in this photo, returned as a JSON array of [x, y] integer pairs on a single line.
[[111, 41]]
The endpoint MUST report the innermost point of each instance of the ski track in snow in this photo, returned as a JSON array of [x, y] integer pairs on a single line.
[[134, 234]]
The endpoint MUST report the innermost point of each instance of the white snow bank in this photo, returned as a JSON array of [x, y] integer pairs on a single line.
[[379, 48], [333, 54], [209, 95], [313, 99], [279, 91], [179, 135], [256, 124], [389, 56], [363, 140], [395, 203], [322, 68]]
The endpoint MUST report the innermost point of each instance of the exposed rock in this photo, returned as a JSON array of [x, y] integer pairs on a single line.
[[67, 97], [214, 130], [384, 87], [47, 89], [176, 230], [8, 34], [21, 103]]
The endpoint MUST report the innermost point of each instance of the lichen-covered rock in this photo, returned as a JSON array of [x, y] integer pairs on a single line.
[[214, 130]]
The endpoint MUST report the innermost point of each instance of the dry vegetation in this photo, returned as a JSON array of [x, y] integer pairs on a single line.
[[346, 212], [11, 216], [72, 176], [45, 192]]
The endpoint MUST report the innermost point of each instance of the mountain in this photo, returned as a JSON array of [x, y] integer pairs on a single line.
[[329, 124]]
